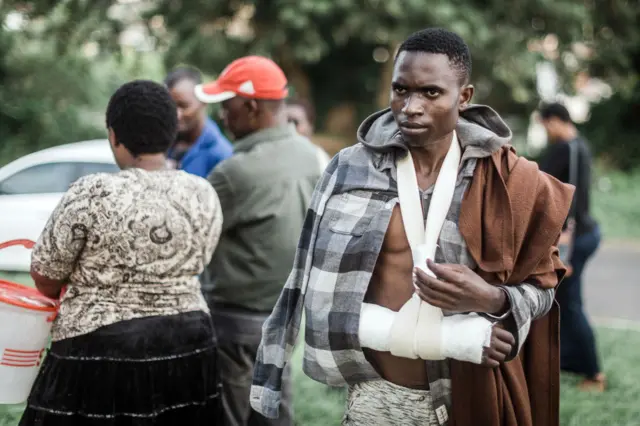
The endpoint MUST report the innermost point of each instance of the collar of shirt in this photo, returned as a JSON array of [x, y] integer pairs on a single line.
[[207, 138], [265, 135]]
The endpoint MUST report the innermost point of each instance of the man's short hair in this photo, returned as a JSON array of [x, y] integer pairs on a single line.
[[182, 73], [308, 108], [441, 41], [556, 110], [143, 117]]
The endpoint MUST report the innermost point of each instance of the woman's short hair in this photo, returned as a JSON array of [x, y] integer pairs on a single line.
[[143, 117]]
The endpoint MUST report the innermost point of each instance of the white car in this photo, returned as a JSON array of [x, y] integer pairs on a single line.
[[32, 186]]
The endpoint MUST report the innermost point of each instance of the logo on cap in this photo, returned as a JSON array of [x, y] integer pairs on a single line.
[[247, 87]]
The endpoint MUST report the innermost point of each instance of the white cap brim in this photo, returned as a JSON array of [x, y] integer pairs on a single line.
[[212, 99]]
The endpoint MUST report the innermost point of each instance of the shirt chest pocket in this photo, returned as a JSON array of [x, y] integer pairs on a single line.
[[351, 213]]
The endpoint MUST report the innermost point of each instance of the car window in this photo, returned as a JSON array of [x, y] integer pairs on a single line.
[[91, 168], [40, 179]]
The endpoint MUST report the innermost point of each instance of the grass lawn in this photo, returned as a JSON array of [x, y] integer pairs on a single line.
[[615, 203], [318, 405]]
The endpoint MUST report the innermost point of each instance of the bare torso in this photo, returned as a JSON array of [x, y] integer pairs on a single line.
[[391, 286]]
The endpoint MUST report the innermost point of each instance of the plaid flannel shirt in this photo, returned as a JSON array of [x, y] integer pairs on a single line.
[[340, 242]]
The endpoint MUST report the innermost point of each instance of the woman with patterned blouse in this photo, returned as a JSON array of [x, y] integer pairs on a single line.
[[133, 343]]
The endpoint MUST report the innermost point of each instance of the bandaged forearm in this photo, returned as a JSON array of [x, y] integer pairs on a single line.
[[419, 330]]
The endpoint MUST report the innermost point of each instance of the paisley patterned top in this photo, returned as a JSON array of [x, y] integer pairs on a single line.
[[130, 245]]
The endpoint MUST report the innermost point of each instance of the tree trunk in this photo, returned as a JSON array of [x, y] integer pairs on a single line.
[[384, 83]]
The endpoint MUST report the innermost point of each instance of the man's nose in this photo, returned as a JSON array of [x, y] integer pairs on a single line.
[[412, 106], [180, 114]]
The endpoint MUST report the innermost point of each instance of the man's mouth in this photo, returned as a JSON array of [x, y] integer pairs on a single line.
[[409, 128], [411, 125]]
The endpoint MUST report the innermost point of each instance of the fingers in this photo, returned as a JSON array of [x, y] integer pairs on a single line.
[[502, 342], [438, 293], [501, 347], [426, 281], [451, 273], [492, 358], [503, 335], [488, 359], [436, 299]]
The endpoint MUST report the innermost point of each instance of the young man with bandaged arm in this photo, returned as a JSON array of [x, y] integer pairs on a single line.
[[427, 264]]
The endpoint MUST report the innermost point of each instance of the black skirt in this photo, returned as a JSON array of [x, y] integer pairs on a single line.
[[151, 371]]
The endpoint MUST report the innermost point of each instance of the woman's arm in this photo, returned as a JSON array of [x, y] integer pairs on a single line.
[[54, 256], [47, 286]]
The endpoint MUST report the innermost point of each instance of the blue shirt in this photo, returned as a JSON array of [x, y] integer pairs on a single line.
[[210, 148]]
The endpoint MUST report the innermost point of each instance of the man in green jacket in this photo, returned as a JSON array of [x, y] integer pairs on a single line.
[[264, 190]]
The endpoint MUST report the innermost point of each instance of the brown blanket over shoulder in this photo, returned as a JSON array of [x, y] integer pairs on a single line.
[[511, 218]]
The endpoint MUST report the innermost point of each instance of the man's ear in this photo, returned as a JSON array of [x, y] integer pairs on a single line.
[[252, 106], [466, 94]]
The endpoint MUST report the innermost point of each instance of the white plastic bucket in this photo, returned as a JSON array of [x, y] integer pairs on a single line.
[[25, 324]]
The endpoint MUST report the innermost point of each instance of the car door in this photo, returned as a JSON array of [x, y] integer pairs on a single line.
[[27, 199]]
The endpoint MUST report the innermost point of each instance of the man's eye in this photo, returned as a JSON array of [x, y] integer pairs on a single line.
[[400, 90], [432, 93]]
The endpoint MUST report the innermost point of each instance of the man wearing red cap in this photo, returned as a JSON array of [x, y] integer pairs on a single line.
[[264, 190]]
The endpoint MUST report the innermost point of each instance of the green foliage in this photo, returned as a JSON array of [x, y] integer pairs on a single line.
[[42, 101], [614, 33], [43, 95], [333, 41], [614, 129], [615, 203], [51, 92], [334, 51]]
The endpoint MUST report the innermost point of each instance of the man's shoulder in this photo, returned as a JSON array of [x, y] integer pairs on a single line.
[[215, 141], [355, 155], [507, 159], [522, 173], [232, 167]]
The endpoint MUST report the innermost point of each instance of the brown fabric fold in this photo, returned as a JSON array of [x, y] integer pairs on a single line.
[[511, 218]]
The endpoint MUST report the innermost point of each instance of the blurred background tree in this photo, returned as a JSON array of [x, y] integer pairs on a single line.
[[338, 53], [59, 62], [614, 126]]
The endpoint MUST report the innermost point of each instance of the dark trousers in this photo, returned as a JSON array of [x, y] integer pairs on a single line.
[[577, 344], [236, 363]]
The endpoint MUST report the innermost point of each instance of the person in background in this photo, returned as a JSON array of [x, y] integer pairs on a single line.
[[300, 113], [264, 190], [578, 347], [200, 145], [133, 343]]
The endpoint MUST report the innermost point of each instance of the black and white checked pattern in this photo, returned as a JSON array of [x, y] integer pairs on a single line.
[[342, 236]]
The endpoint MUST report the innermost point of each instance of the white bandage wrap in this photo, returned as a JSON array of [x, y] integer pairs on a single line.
[[419, 330], [464, 337], [375, 327], [461, 336]]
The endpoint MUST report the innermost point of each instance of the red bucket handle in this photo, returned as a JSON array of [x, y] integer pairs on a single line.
[[28, 244]]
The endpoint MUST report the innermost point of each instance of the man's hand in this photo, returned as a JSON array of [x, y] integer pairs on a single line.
[[459, 289], [501, 343]]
